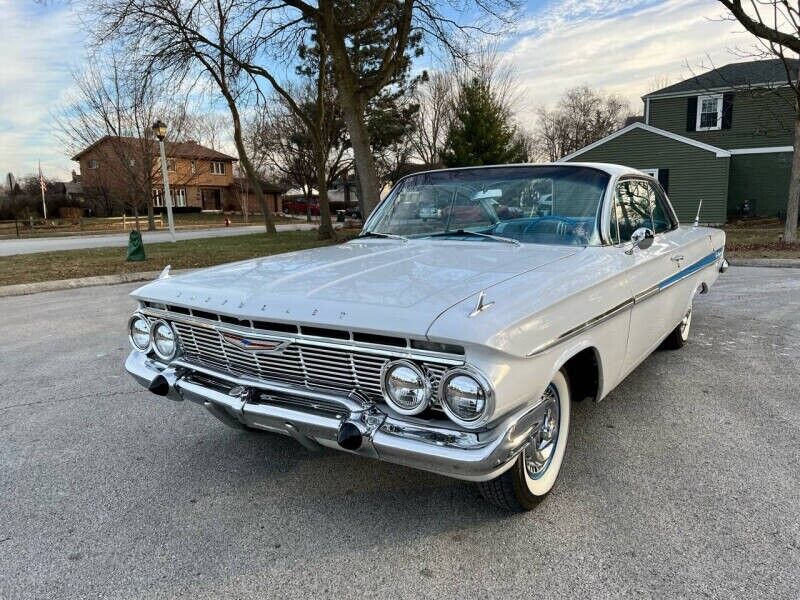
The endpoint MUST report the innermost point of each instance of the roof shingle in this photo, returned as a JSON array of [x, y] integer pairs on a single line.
[[190, 149], [734, 75]]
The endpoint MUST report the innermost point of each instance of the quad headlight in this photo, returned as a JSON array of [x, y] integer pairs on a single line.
[[405, 387], [467, 397], [139, 333], [165, 343]]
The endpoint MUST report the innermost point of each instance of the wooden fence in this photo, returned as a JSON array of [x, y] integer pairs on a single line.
[[20, 227]]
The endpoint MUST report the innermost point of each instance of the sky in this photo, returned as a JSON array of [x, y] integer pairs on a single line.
[[624, 47]]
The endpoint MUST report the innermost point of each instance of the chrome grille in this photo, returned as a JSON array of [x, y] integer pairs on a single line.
[[306, 364]]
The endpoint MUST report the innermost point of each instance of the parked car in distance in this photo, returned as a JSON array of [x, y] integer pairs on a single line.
[[300, 206], [457, 345]]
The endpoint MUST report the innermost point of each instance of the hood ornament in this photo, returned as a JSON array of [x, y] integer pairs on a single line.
[[165, 273], [482, 305]]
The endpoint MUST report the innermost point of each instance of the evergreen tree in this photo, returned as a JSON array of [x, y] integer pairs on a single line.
[[482, 131]]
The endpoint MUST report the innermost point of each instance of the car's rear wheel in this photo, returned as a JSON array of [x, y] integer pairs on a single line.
[[680, 335], [535, 471]]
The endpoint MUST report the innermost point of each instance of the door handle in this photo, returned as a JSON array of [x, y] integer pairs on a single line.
[[677, 258]]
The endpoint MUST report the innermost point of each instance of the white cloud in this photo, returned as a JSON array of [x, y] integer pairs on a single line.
[[41, 44], [618, 48]]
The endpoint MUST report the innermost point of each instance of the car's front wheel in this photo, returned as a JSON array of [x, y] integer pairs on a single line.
[[535, 471]]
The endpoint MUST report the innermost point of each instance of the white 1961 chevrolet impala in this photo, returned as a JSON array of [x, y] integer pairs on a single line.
[[452, 334]]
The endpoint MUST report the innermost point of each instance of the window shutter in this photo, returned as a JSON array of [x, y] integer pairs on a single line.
[[727, 110], [691, 114], [663, 179]]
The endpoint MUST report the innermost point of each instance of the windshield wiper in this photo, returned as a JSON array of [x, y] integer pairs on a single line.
[[380, 234], [496, 238]]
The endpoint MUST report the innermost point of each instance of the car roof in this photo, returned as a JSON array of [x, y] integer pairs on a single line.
[[611, 169]]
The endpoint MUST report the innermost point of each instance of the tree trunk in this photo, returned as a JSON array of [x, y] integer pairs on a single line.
[[790, 229], [244, 160], [362, 153], [326, 231], [151, 219]]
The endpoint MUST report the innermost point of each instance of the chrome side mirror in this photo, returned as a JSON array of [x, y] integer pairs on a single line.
[[642, 238]]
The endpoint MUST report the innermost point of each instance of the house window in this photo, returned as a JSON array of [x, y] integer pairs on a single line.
[[709, 113], [171, 165], [92, 163], [652, 172], [178, 197], [217, 167], [194, 167]]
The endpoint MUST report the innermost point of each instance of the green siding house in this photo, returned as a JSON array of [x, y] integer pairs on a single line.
[[725, 137]]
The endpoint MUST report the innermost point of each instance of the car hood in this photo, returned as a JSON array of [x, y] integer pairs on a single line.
[[367, 285]]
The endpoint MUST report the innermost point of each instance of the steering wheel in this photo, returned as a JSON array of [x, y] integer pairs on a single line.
[[564, 227]]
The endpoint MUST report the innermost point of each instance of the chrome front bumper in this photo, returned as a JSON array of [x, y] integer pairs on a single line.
[[347, 422]]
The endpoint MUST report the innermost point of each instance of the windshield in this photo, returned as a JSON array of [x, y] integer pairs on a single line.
[[533, 205]]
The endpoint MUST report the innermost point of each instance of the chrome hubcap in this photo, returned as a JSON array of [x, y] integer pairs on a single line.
[[542, 446]]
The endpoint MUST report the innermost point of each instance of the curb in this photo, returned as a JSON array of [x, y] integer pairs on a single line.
[[23, 289], [775, 263]]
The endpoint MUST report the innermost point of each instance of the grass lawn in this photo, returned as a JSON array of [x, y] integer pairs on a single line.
[[758, 238], [746, 239], [90, 225], [186, 254]]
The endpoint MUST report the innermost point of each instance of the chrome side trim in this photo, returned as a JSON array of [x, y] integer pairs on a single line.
[[649, 292], [601, 318], [706, 261], [688, 271]]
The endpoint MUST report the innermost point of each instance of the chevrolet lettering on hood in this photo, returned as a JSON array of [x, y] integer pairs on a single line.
[[452, 334]]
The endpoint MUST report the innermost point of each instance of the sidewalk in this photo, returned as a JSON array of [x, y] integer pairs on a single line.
[[11, 247]]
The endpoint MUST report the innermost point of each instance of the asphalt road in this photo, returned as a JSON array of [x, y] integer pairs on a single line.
[[684, 483], [10, 247]]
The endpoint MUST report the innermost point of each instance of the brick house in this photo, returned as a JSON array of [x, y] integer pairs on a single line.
[[200, 178]]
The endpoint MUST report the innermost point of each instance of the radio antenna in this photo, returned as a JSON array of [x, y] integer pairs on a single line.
[[697, 218]]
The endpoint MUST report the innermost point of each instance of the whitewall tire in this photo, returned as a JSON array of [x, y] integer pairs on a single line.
[[536, 470], [680, 335]]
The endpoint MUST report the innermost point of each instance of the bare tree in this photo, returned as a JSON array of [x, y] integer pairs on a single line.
[[210, 128], [776, 24], [370, 42], [190, 39], [308, 151], [581, 117], [112, 102], [435, 98]]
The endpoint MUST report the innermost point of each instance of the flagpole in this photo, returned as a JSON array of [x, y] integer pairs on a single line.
[[42, 186]]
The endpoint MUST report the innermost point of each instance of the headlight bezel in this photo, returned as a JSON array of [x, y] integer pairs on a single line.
[[140, 317], [156, 350], [426, 386], [482, 381]]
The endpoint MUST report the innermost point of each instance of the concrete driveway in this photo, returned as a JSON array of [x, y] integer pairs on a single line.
[[684, 483], [56, 243]]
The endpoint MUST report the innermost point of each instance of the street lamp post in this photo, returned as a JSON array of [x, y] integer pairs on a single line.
[[160, 129]]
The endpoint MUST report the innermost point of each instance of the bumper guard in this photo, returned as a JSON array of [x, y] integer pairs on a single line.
[[347, 422]]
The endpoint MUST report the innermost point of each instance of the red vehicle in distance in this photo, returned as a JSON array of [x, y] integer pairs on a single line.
[[300, 206]]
